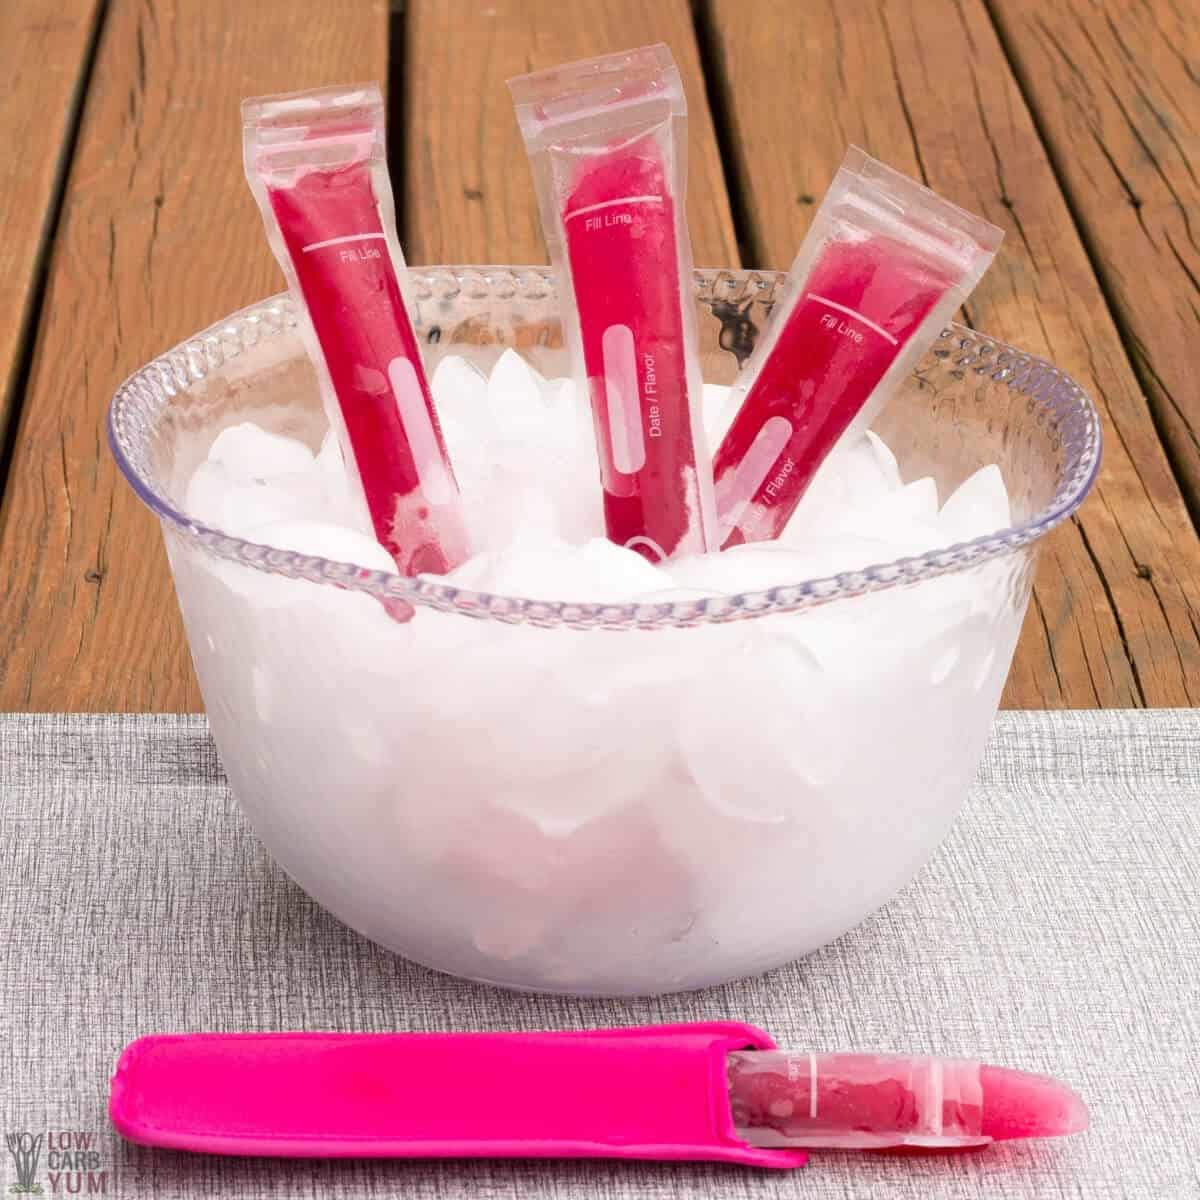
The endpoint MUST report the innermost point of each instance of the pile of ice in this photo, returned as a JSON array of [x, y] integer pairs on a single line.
[[524, 453], [593, 811]]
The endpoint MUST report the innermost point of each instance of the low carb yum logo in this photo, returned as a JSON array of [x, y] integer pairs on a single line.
[[72, 1163], [26, 1150]]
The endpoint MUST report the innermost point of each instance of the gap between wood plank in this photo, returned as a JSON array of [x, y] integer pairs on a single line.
[[1129, 343], [10, 414], [397, 113], [716, 88]]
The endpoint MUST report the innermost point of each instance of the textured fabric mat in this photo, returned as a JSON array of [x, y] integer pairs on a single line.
[[1055, 930]]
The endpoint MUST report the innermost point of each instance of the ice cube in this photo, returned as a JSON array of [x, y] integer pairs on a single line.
[[871, 473], [614, 573], [331, 542], [978, 507], [559, 389], [217, 499], [329, 457], [344, 503], [502, 504], [743, 568], [579, 506], [827, 498], [206, 493], [649, 914], [524, 455], [885, 460], [472, 575], [719, 408], [857, 474], [539, 565], [530, 567], [460, 396], [837, 554], [576, 741], [459, 389], [249, 452], [906, 520], [515, 402], [918, 500], [562, 394], [286, 498], [740, 729], [532, 427], [757, 566]]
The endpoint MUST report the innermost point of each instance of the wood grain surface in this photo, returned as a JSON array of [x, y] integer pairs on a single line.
[[1074, 127], [1117, 90], [468, 193], [44, 52], [159, 237], [925, 85]]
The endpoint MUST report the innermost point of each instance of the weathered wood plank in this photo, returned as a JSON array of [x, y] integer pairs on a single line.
[[925, 85], [1116, 87], [44, 50], [158, 237], [468, 194]]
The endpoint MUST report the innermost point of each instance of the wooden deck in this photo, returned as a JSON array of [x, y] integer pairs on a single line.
[[125, 225]]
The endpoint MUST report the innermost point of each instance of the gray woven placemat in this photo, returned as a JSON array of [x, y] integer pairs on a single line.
[[1055, 930]]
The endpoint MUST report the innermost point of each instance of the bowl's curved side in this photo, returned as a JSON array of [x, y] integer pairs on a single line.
[[582, 812], [1058, 404]]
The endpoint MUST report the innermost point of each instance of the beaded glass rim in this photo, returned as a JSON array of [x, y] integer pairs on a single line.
[[1069, 415]]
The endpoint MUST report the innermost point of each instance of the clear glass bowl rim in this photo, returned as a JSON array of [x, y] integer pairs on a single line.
[[1067, 407]]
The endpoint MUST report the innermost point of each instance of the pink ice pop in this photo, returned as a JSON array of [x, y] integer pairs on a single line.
[[865, 1102], [861, 304], [620, 235], [357, 311]]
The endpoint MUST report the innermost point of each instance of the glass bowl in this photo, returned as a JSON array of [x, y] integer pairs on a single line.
[[602, 798]]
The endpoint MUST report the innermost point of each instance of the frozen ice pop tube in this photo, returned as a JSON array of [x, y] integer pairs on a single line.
[[883, 267], [316, 164], [607, 140], [885, 1101]]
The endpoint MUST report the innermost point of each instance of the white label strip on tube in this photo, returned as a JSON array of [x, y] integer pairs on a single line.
[[850, 312], [748, 477], [435, 482], [338, 241], [588, 208], [937, 1098], [621, 399]]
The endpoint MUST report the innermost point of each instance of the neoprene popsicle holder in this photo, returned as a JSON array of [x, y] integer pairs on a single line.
[[641, 1093]]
